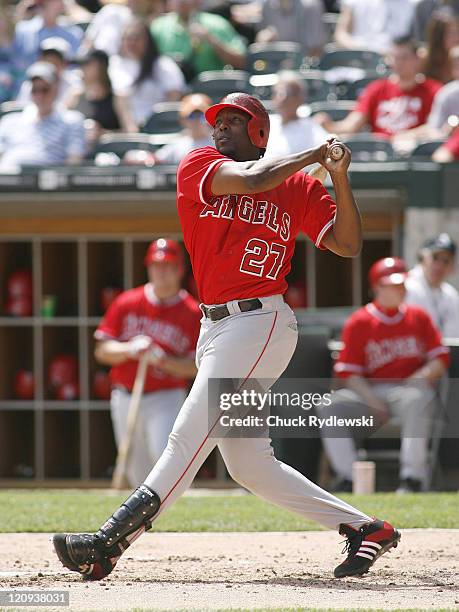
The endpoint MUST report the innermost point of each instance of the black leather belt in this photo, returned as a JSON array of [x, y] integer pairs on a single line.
[[215, 313]]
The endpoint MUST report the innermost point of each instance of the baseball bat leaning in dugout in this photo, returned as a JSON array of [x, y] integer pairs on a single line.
[[119, 479], [320, 172]]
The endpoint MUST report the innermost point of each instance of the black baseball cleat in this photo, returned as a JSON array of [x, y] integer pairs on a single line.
[[365, 545], [95, 555], [86, 554]]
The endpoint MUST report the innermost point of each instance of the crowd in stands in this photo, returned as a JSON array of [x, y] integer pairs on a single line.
[[114, 63]]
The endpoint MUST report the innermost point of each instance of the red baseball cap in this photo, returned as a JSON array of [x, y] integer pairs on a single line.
[[164, 250], [387, 271]]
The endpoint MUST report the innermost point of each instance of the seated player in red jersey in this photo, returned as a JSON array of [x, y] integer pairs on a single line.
[[240, 216], [391, 361]]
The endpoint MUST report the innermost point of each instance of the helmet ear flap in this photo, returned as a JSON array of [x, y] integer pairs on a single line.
[[257, 133]]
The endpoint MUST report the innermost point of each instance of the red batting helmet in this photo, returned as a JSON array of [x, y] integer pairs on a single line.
[[258, 125], [19, 284], [164, 250], [24, 385], [62, 369], [387, 271]]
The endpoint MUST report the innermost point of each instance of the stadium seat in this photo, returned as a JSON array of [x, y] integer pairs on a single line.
[[316, 87], [269, 58], [164, 119], [425, 149], [351, 90], [337, 109], [121, 143], [218, 83], [370, 147], [364, 59]]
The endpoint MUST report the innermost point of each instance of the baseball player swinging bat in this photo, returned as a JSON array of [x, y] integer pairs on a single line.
[[320, 172], [247, 330]]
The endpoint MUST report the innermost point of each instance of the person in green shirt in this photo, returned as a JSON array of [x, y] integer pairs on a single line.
[[198, 41]]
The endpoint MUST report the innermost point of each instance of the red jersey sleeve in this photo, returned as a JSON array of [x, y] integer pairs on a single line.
[[319, 211], [195, 173], [432, 338], [452, 144], [110, 326], [351, 360]]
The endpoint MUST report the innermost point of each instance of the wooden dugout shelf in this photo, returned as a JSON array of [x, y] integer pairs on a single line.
[[75, 245]]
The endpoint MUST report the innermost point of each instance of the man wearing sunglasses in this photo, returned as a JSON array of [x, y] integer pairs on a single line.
[[41, 134], [427, 287], [196, 132]]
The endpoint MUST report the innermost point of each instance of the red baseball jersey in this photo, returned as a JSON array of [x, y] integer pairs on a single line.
[[452, 144], [390, 109], [173, 325], [241, 245], [379, 343]]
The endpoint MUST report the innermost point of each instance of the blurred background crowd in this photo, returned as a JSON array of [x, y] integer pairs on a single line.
[[128, 81]]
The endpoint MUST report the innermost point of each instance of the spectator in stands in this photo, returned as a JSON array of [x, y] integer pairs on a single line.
[[289, 131], [373, 24], [95, 97], [7, 74], [196, 131], [449, 151], [442, 36], [427, 287], [390, 364], [446, 102], [41, 134], [297, 21], [106, 27], [423, 11], [141, 77], [400, 102], [443, 117], [199, 41], [56, 51], [48, 23]]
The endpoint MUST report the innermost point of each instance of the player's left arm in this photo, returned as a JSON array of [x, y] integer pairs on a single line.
[[430, 371], [345, 235], [437, 355]]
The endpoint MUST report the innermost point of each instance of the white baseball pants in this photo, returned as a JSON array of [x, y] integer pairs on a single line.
[[413, 406], [257, 344], [157, 414]]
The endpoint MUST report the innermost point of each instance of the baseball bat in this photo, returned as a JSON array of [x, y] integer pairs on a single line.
[[119, 479], [336, 152]]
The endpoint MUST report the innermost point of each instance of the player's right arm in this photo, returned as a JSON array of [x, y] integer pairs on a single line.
[[109, 350], [263, 174], [114, 352]]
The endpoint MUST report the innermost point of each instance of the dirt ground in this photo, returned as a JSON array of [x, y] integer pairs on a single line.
[[245, 570]]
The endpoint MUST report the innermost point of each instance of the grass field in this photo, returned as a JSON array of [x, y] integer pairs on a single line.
[[76, 510]]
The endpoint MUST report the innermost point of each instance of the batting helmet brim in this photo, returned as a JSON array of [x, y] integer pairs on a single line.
[[212, 112], [393, 279]]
